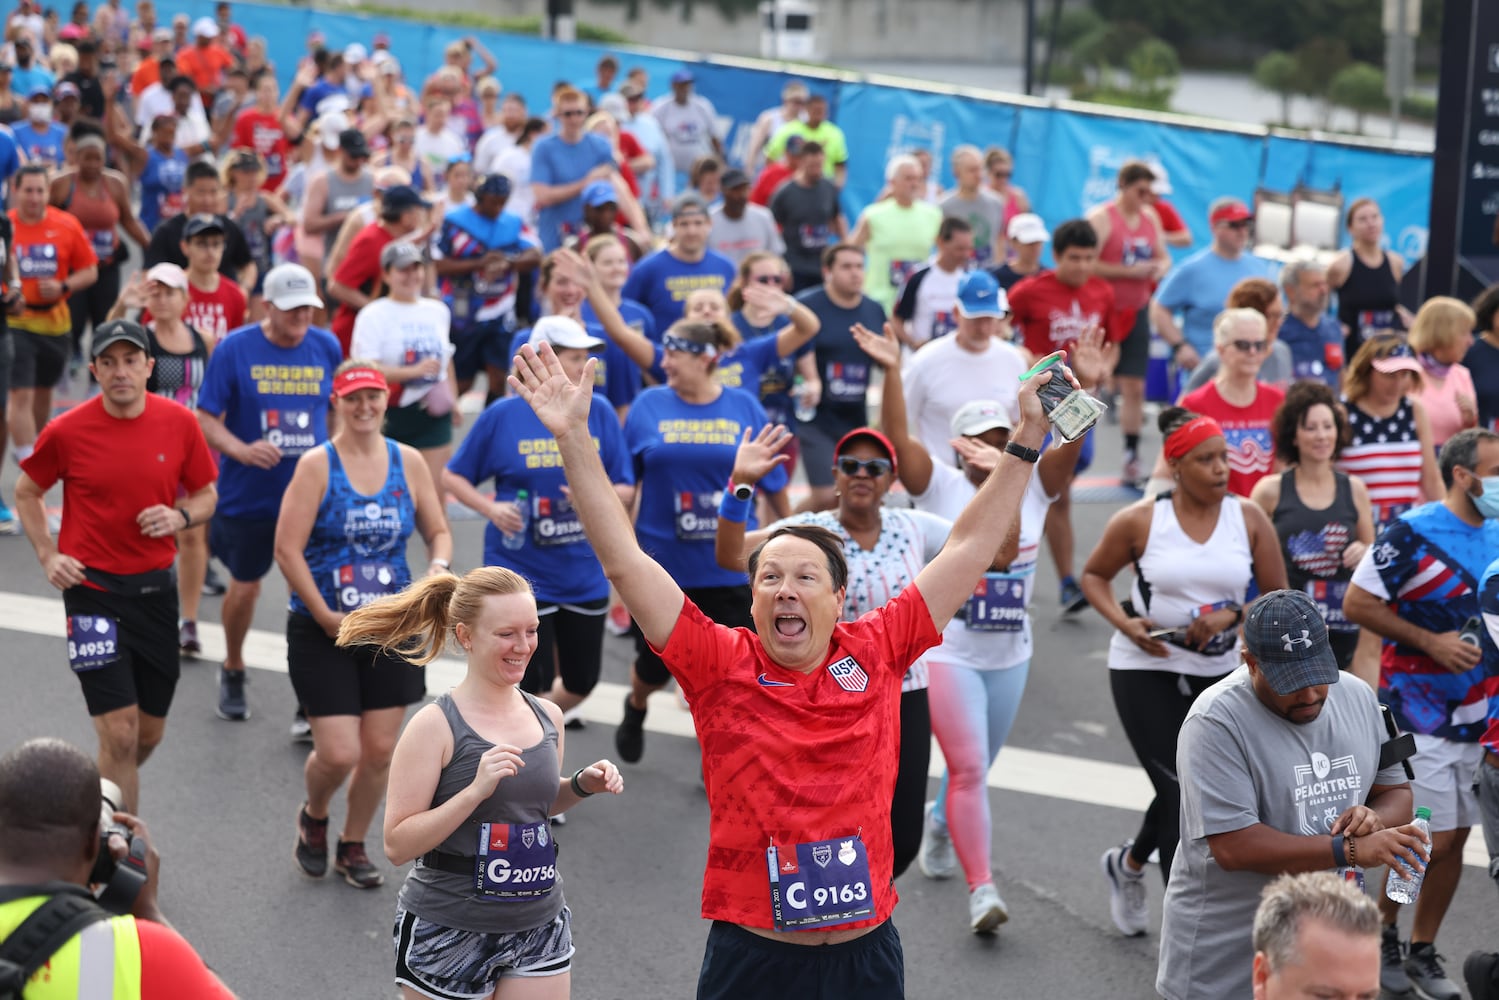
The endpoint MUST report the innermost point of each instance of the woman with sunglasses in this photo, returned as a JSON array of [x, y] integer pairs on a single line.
[[1440, 336], [1195, 549], [758, 315], [1278, 368], [999, 168], [1366, 277]]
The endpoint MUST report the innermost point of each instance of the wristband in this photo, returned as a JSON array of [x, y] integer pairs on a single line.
[[1176, 347], [577, 787], [732, 509], [1339, 854], [187, 519], [1023, 453], [440, 562]]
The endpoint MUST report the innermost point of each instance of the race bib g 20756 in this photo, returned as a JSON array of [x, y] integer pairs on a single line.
[[515, 860]]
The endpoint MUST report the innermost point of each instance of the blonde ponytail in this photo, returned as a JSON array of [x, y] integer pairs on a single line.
[[415, 624]]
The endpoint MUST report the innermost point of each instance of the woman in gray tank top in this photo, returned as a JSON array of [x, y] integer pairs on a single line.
[[474, 779]]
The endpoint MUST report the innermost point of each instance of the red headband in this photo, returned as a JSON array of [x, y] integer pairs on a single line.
[[1191, 434], [358, 378]]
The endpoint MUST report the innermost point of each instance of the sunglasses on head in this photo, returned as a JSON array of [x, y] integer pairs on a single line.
[[1395, 348], [872, 467], [1249, 346]]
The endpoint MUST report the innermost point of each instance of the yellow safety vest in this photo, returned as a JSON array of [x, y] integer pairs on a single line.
[[100, 962]]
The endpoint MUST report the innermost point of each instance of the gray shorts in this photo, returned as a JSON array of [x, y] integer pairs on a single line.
[[448, 964], [1486, 784]]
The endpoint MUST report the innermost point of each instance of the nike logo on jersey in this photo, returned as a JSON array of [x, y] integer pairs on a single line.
[[767, 682]]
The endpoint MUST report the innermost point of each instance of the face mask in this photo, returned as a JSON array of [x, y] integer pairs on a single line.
[[39, 113], [1488, 504]]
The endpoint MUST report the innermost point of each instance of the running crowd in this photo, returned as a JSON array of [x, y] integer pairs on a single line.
[[659, 339]]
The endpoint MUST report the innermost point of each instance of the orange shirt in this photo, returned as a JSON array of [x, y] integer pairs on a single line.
[[53, 248], [206, 66], [147, 73]]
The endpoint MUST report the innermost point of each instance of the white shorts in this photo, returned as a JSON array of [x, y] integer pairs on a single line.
[[1444, 781]]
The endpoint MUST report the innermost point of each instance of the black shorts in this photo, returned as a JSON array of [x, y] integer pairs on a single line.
[[1134, 349], [738, 965], [7, 362], [413, 425], [146, 663], [570, 642], [39, 361], [725, 605], [246, 546], [480, 345], [334, 680]]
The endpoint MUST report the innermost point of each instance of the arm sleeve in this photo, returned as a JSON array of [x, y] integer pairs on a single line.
[[1174, 292], [1218, 793], [1386, 564], [171, 968], [905, 306]]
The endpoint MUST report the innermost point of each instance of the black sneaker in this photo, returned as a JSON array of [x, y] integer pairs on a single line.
[[354, 865], [212, 585], [1424, 966], [629, 738], [1481, 970], [232, 703], [1392, 978], [312, 844]]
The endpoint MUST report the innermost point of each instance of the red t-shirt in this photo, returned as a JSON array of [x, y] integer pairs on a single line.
[[262, 132], [629, 149], [1171, 220], [771, 178], [1051, 315], [112, 469], [171, 968], [213, 314], [792, 758], [1251, 451], [359, 269]]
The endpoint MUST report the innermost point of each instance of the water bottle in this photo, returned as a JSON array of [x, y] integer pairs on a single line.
[[1398, 887], [804, 412], [517, 539]]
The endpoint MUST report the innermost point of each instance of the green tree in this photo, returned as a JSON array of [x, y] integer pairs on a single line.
[[1360, 88], [1154, 70], [1278, 73], [1317, 62]]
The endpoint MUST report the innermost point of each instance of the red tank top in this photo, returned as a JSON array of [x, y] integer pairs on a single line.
[[1129, 245], [99, 215]]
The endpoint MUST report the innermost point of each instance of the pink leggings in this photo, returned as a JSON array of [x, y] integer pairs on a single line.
[[972, 711]]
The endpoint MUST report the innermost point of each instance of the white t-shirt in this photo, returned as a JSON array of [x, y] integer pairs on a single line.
[[942, 376], [403, 333], [491, 144], [436, 151], [515, 163]]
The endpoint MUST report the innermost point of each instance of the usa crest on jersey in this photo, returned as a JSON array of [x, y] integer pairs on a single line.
[[849, 675]]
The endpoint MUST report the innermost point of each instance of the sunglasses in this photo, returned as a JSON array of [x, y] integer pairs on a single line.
[[768, 279], [1398, 349], [1240, 224], [1249, 346], [574, 113], [872, 467], [1002, 175]]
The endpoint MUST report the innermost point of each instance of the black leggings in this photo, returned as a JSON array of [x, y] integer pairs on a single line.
[[1152, 705], [908, 805], [569, 641], [91, 306]]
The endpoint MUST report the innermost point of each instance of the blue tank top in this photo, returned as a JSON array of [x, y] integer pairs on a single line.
[[357, 549], [161, 187]]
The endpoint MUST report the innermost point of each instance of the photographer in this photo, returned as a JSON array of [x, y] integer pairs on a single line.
[[50, 826]]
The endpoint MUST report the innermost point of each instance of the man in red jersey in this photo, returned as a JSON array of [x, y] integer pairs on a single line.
[[260, 127], [798, 718], [123, 458]]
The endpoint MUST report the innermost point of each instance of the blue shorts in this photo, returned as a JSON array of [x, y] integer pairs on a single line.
[[246, 546], [481, 345], [738, 965], [1085, 454], [448, 964]]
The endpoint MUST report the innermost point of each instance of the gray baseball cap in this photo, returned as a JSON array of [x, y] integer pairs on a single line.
[[1288, 639]]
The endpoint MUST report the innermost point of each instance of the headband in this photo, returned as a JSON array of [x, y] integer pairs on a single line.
[[674, 343], [1191, 434]]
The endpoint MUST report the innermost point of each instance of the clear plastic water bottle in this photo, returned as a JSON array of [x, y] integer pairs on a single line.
[[517, 539], [1400, 888], [803, 410]]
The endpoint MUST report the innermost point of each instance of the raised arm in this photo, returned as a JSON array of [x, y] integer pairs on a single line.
[[753, 461], [637, 346], [653, 597], [911, 456]]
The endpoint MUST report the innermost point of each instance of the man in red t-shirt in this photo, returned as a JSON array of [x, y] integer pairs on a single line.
[[135, 470], [205, 60], [358, 280], [777, 172], [259, 127], [798, 718]]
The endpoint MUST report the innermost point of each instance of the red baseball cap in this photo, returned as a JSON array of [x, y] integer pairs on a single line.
[[1234, 211], [868, 433], [358, 378]]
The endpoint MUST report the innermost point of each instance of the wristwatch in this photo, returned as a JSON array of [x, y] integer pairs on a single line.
[[741, 491], [1023, 453], [187, 519]]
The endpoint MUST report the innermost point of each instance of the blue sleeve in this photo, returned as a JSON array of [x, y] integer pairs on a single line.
[[217, 391], [1175, 292], [469, 460], [1400, 553], [543, 170]]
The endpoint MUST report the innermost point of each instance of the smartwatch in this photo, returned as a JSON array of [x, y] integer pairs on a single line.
[[1023, 453], [742, 492]]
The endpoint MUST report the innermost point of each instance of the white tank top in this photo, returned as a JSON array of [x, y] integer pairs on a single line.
[[1176, 576]]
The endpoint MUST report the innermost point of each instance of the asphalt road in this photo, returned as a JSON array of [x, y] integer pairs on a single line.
[[221, 800]]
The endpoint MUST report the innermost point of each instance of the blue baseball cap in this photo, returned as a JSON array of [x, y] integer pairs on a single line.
[[683, 76], [599, 193], [1287, 636], [979, 294], [495, 184]]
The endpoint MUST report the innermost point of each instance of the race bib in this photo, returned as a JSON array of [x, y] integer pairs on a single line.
[[697, 516], [515, 860], [289, 430], [172, 203], [944, 323], [1135, 250], [103, 242], [93, 642], [1386, 513], [555, 522], [1329, 596], [813, 237], [1374, 320], [846, 382], [38, 260], [900, 270], [361, 583], [492, 288], [819, 884], [997, 604], [1309, 369]]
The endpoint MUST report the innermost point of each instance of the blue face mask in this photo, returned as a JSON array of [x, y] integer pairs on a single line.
[[1488, 504]]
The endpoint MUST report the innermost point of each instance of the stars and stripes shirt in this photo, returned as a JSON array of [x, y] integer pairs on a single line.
[[1386, 454]]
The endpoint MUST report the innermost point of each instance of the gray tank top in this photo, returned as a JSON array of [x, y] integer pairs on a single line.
[[344, 195], [452, 900]]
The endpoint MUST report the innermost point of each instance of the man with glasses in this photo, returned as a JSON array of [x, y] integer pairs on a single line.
[[562, 165], [1197, 288]]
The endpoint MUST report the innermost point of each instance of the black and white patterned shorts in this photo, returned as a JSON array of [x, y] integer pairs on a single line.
[[448, 964]]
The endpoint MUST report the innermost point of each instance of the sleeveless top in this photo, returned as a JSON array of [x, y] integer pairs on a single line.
[[178, 376], [1312, 544], [1129, 245], [161, 187], [357, 549], [252, 223], [98, 216], [1176, 576], [450, 899], [1385, 452], [1367, 300], [344, 195]]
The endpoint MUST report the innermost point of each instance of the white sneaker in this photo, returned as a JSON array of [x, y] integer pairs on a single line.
[[1126, 892], [937, 859], [986, 910]]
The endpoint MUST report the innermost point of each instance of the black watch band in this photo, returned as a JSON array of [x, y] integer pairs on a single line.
[[1023, 453], [187, 519]]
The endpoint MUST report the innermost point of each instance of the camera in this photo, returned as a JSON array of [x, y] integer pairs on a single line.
[[116, 883]]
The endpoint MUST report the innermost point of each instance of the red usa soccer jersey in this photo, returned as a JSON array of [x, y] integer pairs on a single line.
[[790, 757], [1051, 315]]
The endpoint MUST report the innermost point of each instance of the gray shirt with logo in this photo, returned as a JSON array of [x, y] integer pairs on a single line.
[[1241, 764]]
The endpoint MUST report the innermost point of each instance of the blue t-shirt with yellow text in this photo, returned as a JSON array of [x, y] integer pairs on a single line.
[[662, 282]]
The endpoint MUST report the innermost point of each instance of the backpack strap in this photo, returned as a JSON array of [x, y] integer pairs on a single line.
[[68, 910]]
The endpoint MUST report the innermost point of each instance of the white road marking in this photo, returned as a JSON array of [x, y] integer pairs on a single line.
[[1034, 772]]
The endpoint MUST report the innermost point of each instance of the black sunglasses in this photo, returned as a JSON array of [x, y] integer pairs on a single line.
[[872, 467]]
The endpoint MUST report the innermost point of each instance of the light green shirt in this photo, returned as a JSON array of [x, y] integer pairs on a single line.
[[900, 241], [827, 135]]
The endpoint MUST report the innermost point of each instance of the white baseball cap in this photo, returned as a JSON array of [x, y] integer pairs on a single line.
[[291, 286], [1027, 227], [205, 27], [562, 331], [355, 53]]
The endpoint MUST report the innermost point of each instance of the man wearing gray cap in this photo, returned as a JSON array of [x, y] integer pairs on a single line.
[[740, 228], [1283, 769], [662, 281]]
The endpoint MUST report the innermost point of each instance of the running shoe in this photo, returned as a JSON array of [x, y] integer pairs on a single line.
[[559, 820], [232, 703], [187, 639], [1392, 978], [986, 910], [1072, 599], [311, 851], [355, 866], [213, 586], [573, 718], [9, 524], [301, 729], [936, 859], [1424, 966], [629, 738], [1130, 473], [1126, 892], [618, 621], [1481, 971]]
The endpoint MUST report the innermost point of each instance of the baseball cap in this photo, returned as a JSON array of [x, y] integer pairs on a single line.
[[867, 434], [168, 274], [65, 90], [1162, 182], [355, 53], [562, 331], [1286, 634], [119, 330], [354, 379], [688, 204], [495, 184], [979, 415], [403, 196], [289, 286], [205, 27], [599, 193], [733, 178], [979, 294], [1401, 359], [682, 76], [39, 90], [71, 32], [1027, 227], [353, 142], [631, 92], [203, 223], [161, 35], [381, 40], [399, 254], [1232, 211], [794, 145]]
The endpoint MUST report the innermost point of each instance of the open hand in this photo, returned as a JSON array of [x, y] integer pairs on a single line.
[[883, 349], [976, 454], [759, 454], [560, 404]]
